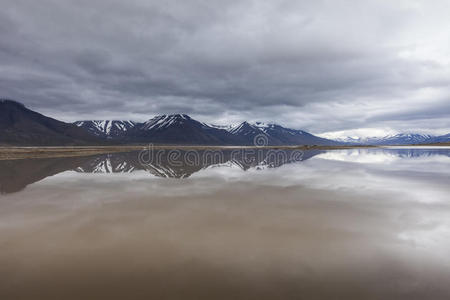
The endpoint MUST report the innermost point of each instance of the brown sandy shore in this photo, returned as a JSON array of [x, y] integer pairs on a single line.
[[10, 153]]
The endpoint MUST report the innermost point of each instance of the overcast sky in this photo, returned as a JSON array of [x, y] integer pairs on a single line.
[[364, 66]]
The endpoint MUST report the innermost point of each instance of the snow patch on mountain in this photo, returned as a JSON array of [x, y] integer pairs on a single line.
[[244, 129], [391, 139], [106, 128], [164, 121]]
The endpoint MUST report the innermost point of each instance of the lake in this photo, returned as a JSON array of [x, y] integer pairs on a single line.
[[339, 224]]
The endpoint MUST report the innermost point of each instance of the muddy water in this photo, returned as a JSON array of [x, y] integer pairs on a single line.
[[350, 224]]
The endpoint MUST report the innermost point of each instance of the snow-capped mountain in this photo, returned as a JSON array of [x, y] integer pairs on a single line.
[[276, 134], [244, 128], [406, 139], [225, 127], [398, 139], [247, 133], [180, 129], [21, 126], [107, 128], [288, 136], [165, 121]]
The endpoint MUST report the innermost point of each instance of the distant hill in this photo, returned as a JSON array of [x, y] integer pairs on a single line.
[[399, 139], [22, 126], [441, 139]]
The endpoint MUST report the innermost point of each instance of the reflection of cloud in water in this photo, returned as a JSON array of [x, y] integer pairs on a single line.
[[360, 156], [383, 156], [434, 237]]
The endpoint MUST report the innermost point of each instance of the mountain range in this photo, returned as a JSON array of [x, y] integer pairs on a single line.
[[398, 139], [23, 127], [182, 129]]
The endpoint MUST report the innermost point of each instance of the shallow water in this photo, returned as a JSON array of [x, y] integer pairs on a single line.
[[341, 224]]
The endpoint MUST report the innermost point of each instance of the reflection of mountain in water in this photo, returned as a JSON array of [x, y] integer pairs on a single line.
[[17, 174], [109, 163], [182, 164]]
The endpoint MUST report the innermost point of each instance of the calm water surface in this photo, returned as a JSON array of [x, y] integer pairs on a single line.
[[341, 224]]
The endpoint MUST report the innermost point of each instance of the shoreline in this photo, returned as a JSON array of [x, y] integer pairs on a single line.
[[14, 152]]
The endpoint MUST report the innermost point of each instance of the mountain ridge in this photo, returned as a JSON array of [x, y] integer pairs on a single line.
[[398, 139], [182, 129], [106, 128], [24, 127]]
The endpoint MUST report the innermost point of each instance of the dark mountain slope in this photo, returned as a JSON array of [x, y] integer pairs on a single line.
[[287, 136], [275, 135], [250, 134], [24, 127], [441, 139]]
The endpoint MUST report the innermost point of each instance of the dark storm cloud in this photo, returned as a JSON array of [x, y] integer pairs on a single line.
[[318, 65]]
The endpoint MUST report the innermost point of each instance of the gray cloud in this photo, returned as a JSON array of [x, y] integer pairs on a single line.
[[317, 65]]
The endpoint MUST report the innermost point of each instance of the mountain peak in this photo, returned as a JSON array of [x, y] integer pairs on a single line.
[[163, 121], [174, 116], [11, 102], [245, 128]]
